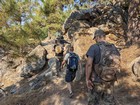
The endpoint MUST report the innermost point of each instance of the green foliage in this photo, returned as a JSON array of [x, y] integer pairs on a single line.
[[55, 14], [15, 33], [27, 22]]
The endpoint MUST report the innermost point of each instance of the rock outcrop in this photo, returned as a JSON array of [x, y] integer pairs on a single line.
[[81, 25], [112, 17], [34, 62], [135, 67]]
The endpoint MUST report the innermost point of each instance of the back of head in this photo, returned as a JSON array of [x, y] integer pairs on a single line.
[[58, 49], [61, 37], [71, 48], [99, 33]]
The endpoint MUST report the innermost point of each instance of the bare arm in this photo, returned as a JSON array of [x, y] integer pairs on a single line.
[[64, 60], [88, 72], [63, 63]]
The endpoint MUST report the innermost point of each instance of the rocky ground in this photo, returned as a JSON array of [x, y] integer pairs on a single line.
[[127, 91]]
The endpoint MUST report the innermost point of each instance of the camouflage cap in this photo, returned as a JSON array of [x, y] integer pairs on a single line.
[[98, 33]]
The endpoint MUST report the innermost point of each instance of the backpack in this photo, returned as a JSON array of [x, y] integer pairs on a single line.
[[109, 62], [58, 49], [72, 62]]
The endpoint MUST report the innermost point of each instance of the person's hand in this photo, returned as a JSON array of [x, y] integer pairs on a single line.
[[89, 84], [62, 67]]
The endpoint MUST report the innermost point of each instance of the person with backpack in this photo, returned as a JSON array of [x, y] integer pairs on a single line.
[[103, 62], [58, 50], [72, 62]]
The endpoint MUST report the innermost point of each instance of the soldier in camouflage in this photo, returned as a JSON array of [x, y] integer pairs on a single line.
[[99, 92]]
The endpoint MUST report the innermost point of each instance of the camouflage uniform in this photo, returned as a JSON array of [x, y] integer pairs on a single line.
[[101, 94], [106, 61]]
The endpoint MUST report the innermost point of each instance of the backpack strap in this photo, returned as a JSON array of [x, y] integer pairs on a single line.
[[71, 53], [102, 44], [99, 44]]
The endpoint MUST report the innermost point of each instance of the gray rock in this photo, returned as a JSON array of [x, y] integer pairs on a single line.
[[54, 66], [80, 72], [34, 63], [11, 89], [135, 67], [40, 80]]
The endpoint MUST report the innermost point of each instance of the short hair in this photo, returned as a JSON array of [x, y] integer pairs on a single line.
[[71, 48], [99, 33]]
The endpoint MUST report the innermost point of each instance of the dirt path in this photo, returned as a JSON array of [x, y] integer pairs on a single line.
[[57, 93]]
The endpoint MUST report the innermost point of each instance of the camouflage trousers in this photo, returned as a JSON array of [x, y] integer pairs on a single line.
[[101, 94]]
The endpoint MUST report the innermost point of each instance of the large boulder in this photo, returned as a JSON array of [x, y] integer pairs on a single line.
[[82, 44], [41, 79], [112, 17], [34, 62], [50, 53], [83, 40], [76, 26], [54, 65], [135, 67], [77, 15]]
